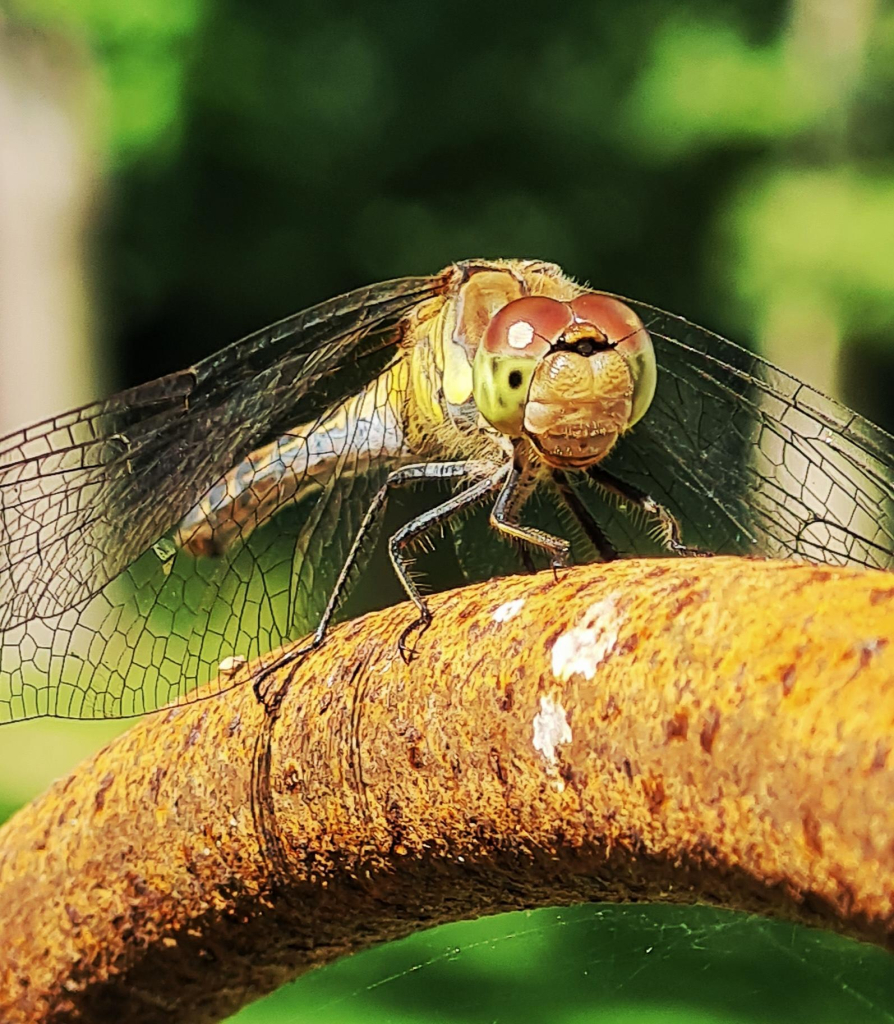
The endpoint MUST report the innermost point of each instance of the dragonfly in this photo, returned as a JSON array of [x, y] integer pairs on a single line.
[[152, 542]]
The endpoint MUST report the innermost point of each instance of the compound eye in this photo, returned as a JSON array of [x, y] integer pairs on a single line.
[[516, 339], [625, 332], [527, 327], [613, 318]]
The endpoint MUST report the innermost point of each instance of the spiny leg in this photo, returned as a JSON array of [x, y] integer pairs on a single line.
[[400, 477], [594, 532], [504, 519], [669, 533], [423, 524], [423, 471]]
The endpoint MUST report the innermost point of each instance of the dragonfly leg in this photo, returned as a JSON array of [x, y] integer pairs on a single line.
[[595, 534], [504, 519], [399, 477], [421, 525], [668, 529]]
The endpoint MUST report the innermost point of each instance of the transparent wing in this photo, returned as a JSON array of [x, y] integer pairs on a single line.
[[100, 614], [751, 460]]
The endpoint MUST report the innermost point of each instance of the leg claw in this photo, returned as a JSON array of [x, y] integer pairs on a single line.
[[263, 683], [421, 625]]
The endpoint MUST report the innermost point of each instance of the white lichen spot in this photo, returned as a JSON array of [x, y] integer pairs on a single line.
[[580, 650], [551, 729], [509, 610], [230, 666], [520, 334]]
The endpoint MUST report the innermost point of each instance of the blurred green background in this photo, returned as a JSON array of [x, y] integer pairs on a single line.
[[176, 173]]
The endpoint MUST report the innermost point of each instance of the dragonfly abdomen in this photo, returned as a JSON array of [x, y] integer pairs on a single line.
[[369, 427]]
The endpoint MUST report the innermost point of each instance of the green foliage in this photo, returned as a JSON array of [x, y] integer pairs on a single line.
[[705, 85], [600, 965], [717, 159], [817, 232]]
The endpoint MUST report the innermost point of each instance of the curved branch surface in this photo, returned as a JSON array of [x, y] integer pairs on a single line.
[[709, 730]]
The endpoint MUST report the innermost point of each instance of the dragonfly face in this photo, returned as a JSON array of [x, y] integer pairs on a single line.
[[571, 376], [181, 526]]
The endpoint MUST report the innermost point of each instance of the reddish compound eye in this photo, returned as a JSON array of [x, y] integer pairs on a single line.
[[613, 318], [624, 330], [527, 327]]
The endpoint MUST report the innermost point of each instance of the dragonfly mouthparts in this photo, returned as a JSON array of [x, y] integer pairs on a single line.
[[587, 345]]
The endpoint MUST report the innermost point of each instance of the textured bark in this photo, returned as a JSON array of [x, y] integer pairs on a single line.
[[714, 730]]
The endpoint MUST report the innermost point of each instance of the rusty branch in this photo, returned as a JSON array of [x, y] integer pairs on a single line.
[[716, 730]]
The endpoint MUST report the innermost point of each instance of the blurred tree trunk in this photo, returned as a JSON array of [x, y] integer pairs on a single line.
[[48, 185]]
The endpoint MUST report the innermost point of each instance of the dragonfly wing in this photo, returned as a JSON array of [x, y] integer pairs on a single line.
[[99, 611], [371, 446], [84, 494], [754, 461]]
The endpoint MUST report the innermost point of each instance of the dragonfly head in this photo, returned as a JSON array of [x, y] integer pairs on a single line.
[[571, 376]]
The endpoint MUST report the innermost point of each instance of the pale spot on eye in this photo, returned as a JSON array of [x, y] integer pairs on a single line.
[[520, 334]]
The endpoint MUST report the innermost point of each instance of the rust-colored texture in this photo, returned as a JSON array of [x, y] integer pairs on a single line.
[[714, 730]]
